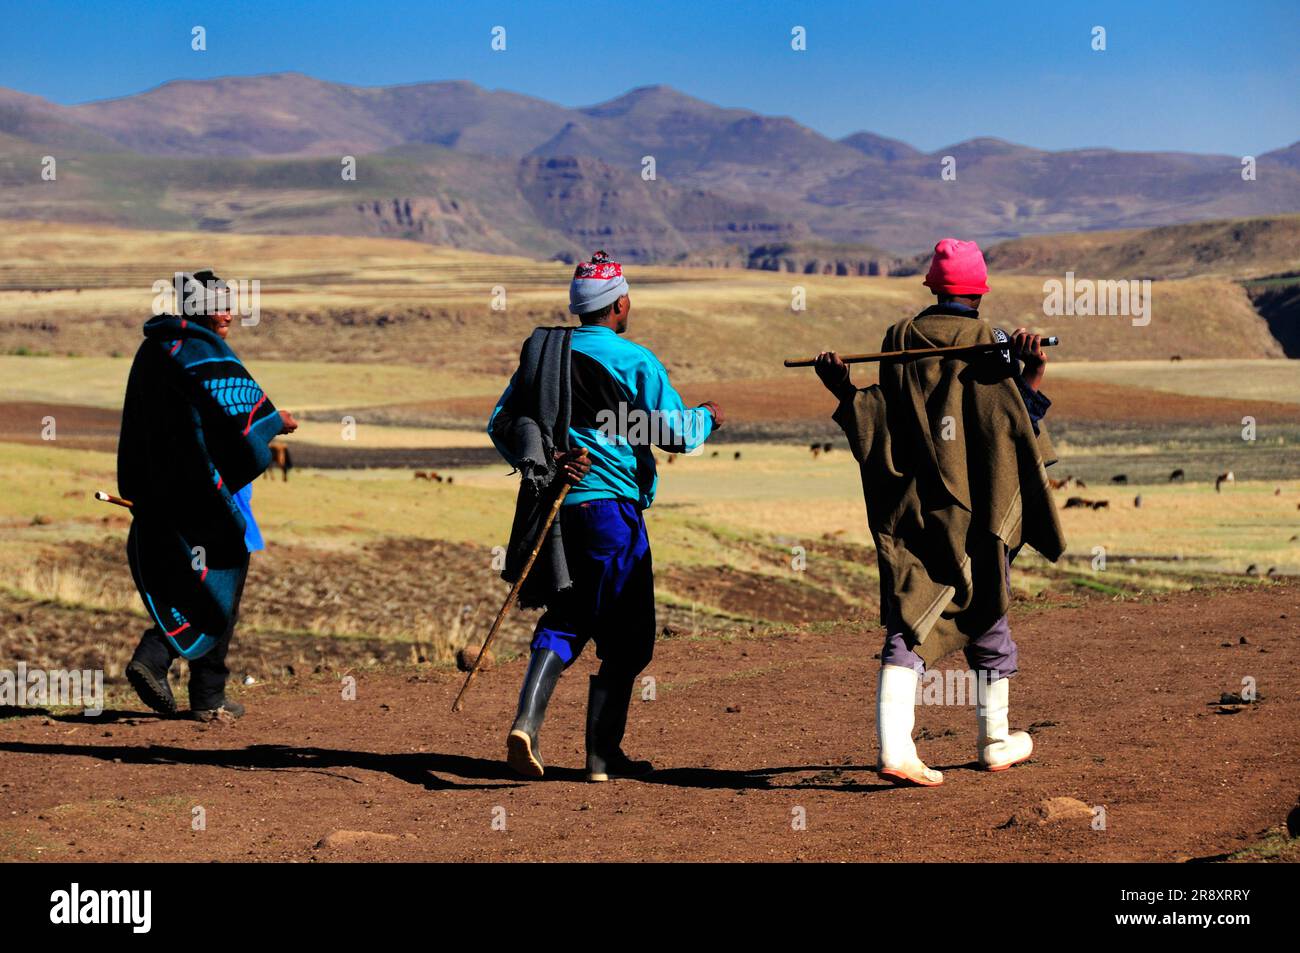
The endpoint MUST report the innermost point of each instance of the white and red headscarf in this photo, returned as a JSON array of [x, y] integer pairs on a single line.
[[595, 284]]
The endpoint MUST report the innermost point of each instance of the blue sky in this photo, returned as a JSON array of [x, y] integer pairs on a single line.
[[1194, 76]]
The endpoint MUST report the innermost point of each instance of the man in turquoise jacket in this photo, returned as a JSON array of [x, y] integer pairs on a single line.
[[621, 405]]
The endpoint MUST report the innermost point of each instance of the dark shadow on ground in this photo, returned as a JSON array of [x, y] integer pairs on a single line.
[[108, 716], [419, 769], [426, 770], [824, 778]]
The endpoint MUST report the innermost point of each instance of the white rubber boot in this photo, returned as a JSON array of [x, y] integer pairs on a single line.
[[999, 746], [895, 717]]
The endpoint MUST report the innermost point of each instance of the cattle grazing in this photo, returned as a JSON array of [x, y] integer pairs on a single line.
[[280, 458], [1176, 357], [1119, 478], [1137, 501], [1176, 475], [1222, 478], [432, 476], [826, 448], [1078, 502], [737, 456]]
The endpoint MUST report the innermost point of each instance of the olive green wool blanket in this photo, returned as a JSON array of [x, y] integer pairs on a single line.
[[954, 479]]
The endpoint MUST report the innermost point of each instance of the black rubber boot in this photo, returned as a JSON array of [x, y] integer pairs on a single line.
[[607, 702], [523, 753], [208, 677], [147, 672]]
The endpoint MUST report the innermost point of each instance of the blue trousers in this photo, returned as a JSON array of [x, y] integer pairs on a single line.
[[612, 601]]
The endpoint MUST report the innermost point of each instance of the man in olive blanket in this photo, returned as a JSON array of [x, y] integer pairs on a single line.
[[952, 454]]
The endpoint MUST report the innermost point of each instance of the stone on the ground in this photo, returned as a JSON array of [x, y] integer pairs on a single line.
[[349, 838], [1054, 810], [466, 657]]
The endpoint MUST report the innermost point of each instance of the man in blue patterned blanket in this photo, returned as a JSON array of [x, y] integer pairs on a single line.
[[196, 430]]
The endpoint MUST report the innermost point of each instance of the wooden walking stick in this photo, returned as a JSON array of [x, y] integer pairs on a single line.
[[918, 352], [104, 497], [514, 590]]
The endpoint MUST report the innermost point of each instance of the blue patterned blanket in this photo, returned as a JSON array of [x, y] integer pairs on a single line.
[[196, 428]]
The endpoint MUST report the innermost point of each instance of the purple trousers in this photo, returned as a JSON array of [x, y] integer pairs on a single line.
[[992, 651]]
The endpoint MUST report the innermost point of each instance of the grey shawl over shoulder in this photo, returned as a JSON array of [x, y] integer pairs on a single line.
[[533, 424]]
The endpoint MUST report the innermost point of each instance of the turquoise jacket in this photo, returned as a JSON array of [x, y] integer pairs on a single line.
[[649, 413]]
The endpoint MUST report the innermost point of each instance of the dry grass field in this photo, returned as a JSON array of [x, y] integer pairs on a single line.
[[85, 291], [759, 544], [401, 339]]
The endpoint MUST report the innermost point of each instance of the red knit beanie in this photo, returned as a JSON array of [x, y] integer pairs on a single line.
[[958, 269]]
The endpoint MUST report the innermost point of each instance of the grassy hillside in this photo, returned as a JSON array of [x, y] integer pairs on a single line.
[[86, 290], [446, 197], [1235, 248], [493, 170]]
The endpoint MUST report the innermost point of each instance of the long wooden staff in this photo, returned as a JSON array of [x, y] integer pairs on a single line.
[[918, 352], [514, 592], [105, 497]]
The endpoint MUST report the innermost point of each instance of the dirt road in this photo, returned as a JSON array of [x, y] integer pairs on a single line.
[[751, 735]]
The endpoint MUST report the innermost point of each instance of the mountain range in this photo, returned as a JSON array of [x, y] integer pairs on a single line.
[[491, 170]]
